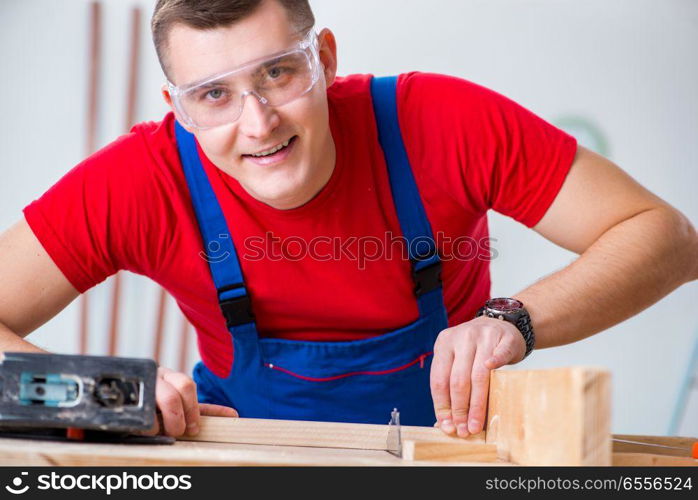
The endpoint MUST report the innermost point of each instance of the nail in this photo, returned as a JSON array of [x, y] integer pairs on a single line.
[[463, 430], [473, 425], [193, 429], [447, 427]]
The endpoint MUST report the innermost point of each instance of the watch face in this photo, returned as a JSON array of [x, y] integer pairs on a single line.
[[504, 304]]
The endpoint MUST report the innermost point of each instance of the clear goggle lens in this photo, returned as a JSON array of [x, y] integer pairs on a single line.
[[274, 81]]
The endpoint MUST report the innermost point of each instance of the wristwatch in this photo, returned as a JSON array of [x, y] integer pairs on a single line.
[[514, 312]]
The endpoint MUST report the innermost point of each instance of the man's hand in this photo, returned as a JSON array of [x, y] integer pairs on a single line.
[[464, 355], [175, 394]]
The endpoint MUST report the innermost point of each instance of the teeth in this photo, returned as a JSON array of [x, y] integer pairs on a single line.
[[272, 150]]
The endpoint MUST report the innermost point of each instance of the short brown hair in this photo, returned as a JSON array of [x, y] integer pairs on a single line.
[[211, 14]]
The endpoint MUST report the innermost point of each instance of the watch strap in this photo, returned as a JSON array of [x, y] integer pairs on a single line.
[[520, 319]]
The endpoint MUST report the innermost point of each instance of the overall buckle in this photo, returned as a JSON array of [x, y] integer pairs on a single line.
[[236, 310], [427, 278]]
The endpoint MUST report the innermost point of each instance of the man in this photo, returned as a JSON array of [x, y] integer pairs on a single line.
[[269, 144]]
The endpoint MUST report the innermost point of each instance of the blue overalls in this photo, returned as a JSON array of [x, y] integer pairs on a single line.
[[351, 381]]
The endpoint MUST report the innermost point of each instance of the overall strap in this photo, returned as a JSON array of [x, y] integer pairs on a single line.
[[426, 266], [218, 242]]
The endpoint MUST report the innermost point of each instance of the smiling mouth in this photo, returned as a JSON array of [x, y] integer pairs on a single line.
[[273, 150]]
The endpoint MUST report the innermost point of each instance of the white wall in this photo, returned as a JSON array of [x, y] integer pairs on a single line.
[[628, 66]]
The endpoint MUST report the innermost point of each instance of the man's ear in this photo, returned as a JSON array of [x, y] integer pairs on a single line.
[[168, 99], [328, 55], [166, 95]]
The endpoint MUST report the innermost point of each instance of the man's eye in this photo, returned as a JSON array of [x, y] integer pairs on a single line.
[[214, 94], [275, 72]]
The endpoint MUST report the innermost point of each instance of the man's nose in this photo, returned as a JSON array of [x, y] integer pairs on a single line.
[[257, 119]]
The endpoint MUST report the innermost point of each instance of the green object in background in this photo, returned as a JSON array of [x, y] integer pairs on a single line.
[[585, 131]]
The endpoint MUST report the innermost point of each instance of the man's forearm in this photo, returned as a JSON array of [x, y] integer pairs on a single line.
[[11, 342], [630, 267]]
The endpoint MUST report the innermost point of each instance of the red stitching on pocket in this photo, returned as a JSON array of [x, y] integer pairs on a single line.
[[419, 360]]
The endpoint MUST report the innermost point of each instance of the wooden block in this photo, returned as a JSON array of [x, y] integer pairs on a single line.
[[316, 434], [651, 460], [448, 452], [551, 417]]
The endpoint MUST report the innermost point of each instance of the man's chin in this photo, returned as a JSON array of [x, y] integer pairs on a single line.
[[285, 187], [283, 197]]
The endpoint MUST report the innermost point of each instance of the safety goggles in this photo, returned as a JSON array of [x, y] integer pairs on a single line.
[[273, 80]]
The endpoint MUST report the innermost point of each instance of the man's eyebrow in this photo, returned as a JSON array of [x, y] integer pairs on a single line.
[[213, 83], [206, 84], [272, 61]]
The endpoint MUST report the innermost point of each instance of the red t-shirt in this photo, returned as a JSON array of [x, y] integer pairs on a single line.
[[471, 149]]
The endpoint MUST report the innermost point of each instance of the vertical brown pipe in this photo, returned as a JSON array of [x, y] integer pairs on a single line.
[[114, 314], [131, 98], [91, 134], [183, 345], [134, 61], [160, 325]]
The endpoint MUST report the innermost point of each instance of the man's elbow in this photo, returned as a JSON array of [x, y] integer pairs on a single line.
[[693, 243], [684, 244]]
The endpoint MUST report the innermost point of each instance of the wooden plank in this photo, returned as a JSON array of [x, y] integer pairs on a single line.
[[449, 452], [651, 460], [27, 452], [239, 441], [317, 434], [24, 452], [551, 417], [653, 444]]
